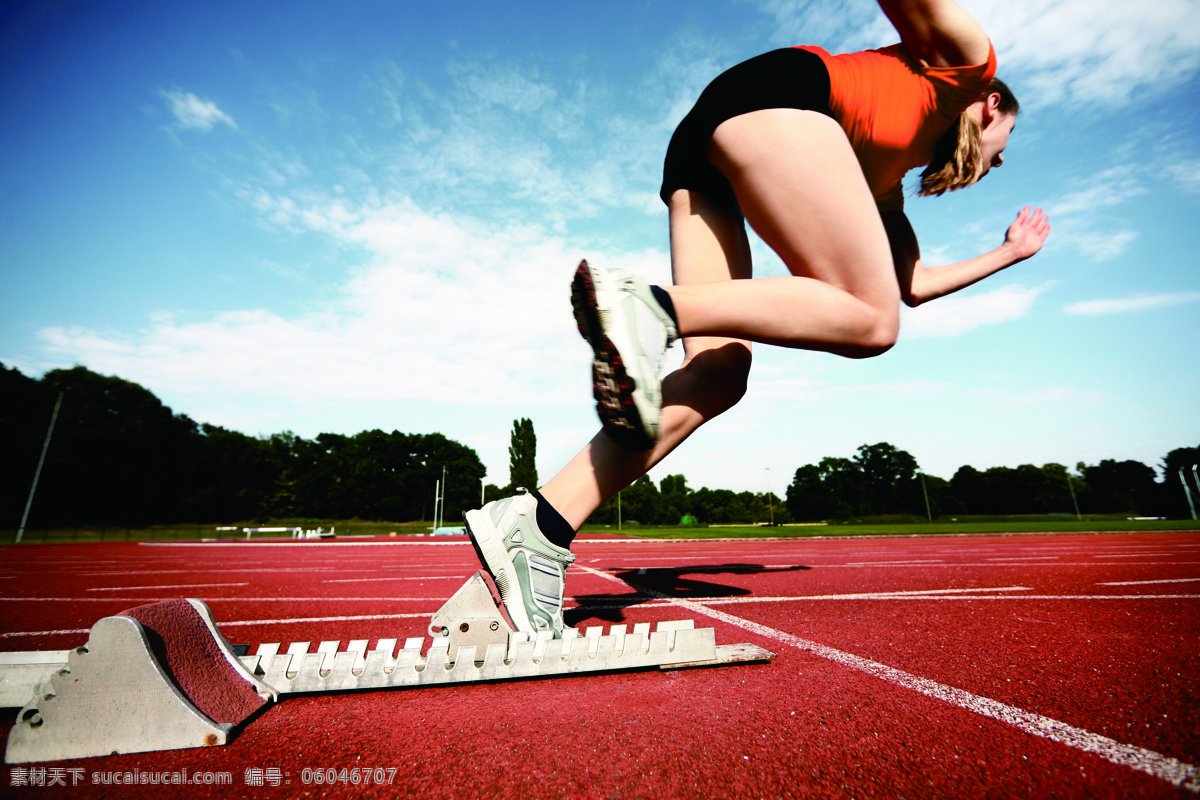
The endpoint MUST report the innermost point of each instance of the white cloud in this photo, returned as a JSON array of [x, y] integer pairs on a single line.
[[1105, 189], [1185, 174], [1093, 50], [1049, 396], [1070, 50], [503, 85], [1076, 214], [443, 307], [1139, 303], [838, 27], [801, 392], [1102, 246], [192, 112], [958, 314]]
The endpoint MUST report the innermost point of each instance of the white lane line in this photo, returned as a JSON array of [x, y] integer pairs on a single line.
[[1173, 771], [359, 599], [236, 623], [395, 578], [889, 563], [814, 563], [931, 596], [915, 595], [306, 545], [873, 595], [295, 620], [176, 586], [927, 592], [1146, 583], [1137, 555], [195, 570], [1020, 558]]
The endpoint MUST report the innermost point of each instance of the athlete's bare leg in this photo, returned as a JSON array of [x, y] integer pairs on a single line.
[[707, 245], [800, 186]]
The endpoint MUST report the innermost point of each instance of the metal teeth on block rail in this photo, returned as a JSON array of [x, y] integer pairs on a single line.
[[524, 656]]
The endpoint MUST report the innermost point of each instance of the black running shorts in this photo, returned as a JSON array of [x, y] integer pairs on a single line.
[[787, 78]]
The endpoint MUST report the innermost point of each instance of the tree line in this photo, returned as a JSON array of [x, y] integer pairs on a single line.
[[881, 479], [120, 457]]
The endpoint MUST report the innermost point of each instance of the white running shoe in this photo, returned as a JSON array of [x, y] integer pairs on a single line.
[[529, 571], [629, 333]]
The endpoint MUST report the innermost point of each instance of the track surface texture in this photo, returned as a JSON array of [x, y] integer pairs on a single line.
[[970, 666]]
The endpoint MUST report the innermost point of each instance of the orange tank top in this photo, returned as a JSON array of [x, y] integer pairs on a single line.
[[894, 110]]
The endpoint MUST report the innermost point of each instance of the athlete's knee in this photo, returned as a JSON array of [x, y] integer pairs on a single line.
[[878, 335], [722, 374]]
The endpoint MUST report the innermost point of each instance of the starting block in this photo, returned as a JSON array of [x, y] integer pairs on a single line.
[[162, 677]]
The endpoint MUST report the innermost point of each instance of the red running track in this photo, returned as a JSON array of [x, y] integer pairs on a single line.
[[1000, 666]]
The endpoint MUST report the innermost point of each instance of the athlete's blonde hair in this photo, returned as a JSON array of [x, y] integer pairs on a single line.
[[957, 157]]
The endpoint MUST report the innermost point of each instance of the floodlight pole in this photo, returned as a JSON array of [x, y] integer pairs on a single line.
[[38, 472], [437, 495], [1071, 486], [770, 502], [618, 511], [928, 511], [1187, 491]]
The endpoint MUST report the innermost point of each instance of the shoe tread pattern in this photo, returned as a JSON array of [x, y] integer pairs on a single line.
[[612, 386]]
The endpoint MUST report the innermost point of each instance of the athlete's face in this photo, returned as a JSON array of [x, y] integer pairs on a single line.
[[995, 138]]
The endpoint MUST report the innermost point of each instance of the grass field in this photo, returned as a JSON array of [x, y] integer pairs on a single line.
[[962, 525], [907, 529]]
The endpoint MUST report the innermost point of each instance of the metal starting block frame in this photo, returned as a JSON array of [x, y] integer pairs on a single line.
[[113, 696]]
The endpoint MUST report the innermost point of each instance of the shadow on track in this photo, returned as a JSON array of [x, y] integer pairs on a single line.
[[665, 580]]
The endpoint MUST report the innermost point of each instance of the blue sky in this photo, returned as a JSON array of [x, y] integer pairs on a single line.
[[312, 217]]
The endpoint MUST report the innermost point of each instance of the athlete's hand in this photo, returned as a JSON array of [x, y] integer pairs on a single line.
[[1028, 233]]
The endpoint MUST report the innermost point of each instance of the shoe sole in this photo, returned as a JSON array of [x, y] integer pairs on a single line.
[[612, 386], [489, 546]]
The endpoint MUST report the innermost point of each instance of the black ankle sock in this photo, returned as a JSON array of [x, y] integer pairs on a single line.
[[552, 524], [664, 300]]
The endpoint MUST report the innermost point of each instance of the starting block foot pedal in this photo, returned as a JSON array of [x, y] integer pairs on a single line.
[[157, 677], [471, 617]]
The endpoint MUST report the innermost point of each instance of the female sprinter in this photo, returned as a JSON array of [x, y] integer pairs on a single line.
[[810, 149]]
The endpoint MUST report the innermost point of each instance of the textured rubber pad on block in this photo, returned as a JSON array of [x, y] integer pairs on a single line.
[[195, 662]]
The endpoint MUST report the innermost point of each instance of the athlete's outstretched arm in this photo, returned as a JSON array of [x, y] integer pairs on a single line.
[[938, 32], [919, 284]]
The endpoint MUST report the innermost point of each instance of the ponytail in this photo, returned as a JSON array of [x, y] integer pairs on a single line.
[[957, 157]]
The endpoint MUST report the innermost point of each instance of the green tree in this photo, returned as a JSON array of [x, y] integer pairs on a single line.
[[224, 476], [675, 497], [970, 489], [843, 482], [115, 455], [808, 499], [522, 456], [941, 497], [1121, 486], [889, 480], [25, 410], [642, 502], [1027, 489]]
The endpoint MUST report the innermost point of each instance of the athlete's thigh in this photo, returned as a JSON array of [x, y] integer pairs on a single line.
[[802, 190], [708, 244]]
